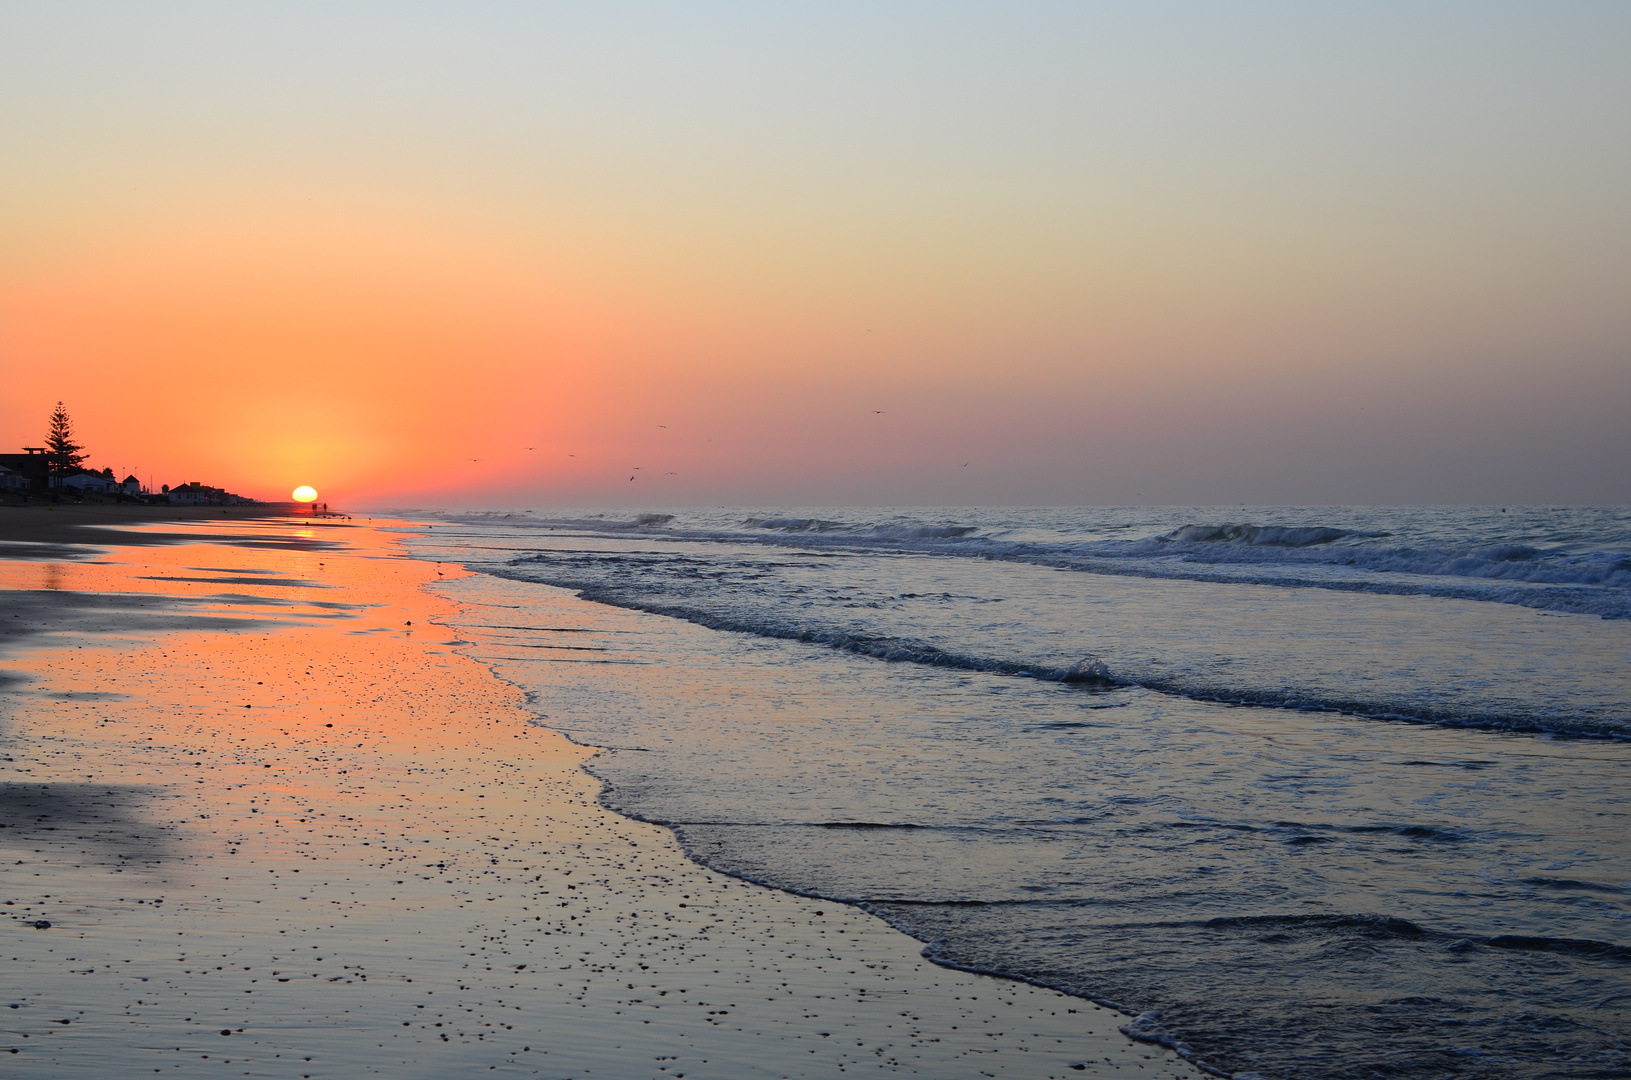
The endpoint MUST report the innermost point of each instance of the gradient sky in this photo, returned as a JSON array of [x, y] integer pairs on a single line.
[[812, 254]]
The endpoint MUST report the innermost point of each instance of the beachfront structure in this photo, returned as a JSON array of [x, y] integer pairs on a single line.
[[30, 472], [32, 467], [189, 494], [89, 480], [194, 493]]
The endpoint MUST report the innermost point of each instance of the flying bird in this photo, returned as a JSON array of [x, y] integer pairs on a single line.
[[877, 412]]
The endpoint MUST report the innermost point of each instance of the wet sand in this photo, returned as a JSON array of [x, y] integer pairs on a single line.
[[262, 819], [54, 531]]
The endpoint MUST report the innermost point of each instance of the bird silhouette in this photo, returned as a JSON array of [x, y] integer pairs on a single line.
[[631, 479], [877, 412]]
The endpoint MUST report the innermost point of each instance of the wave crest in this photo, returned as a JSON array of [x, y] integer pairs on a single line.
[[1292, 536], [795, 525]]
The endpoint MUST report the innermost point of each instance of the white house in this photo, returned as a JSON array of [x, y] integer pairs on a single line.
[[191, 494], [88, 481]]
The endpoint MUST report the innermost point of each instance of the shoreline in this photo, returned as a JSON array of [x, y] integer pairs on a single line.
[[178, 757], [1132, 847]]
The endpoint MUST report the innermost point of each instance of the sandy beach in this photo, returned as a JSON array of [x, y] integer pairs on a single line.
[[261, 818]]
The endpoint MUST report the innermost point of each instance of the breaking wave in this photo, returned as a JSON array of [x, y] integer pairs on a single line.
[[1492, 568], [1262, 535], [881, 532]]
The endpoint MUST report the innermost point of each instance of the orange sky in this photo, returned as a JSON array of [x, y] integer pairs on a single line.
[[1064, 258]]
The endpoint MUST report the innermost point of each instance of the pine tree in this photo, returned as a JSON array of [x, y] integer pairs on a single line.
[[65, 455]]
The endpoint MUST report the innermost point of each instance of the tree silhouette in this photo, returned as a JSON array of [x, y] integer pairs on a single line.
[[60, 448]]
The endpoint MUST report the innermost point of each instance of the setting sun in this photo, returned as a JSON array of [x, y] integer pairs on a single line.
[[304, 493]]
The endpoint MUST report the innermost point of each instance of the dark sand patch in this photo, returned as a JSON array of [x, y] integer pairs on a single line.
[[43, 533], [83, 823], [26, 613]]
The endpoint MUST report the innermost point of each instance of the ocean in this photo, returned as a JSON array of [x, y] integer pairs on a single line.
[[1307, 792]]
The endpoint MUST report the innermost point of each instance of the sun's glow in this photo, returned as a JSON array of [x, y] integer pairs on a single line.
[[304, 493]]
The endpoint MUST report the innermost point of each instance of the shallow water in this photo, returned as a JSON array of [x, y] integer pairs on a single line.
[[1295, 891]]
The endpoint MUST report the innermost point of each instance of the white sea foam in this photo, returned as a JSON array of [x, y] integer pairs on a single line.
[[1552, 569]]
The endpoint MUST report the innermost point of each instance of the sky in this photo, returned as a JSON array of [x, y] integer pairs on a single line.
[[514, 254]]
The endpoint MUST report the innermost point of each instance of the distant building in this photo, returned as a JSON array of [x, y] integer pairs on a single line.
[[194, 493], [89, 480], [29, 474], [32, 467], [189, 494]]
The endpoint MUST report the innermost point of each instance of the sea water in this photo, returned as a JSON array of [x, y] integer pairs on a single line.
[[1307, 791]]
